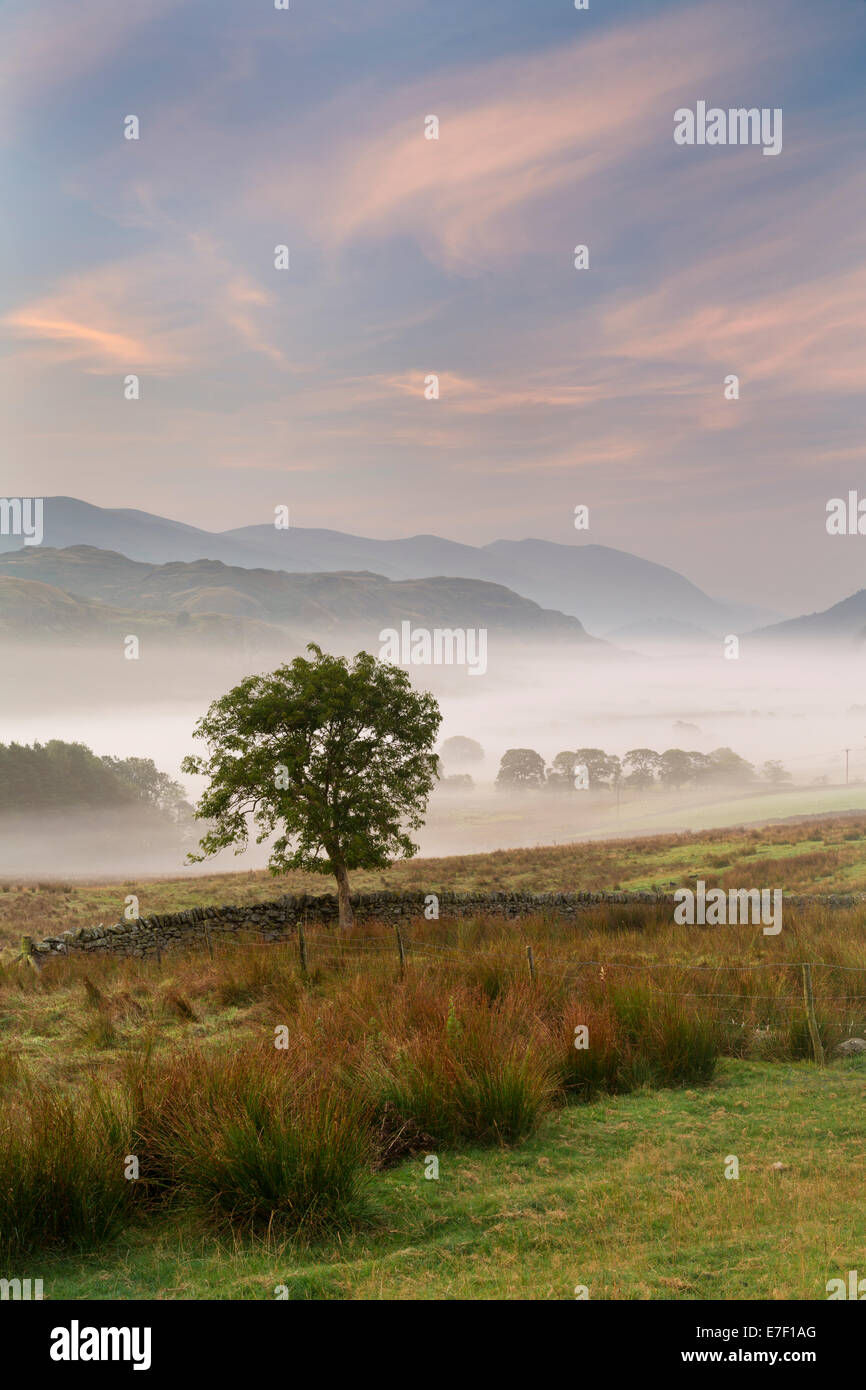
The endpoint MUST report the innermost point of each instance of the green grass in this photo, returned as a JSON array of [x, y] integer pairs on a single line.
[[626, 1196], [61, 1177]]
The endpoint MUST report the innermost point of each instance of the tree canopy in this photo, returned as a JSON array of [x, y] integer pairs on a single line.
[[521, 767], [56, 776], [640, 767], [459, 749], [334, 757]]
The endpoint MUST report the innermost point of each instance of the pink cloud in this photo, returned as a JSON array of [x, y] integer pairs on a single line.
[[163, 311], [512, 133]]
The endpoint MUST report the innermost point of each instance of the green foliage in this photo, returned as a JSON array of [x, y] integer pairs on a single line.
[[55, 775], [151, 786], [337, 756], [774, 772], [642, 766], [460, 749]]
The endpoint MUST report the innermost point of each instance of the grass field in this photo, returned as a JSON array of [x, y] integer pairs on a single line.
[[603, 1168], [486, 820], [626, 1197], [813, 856], [302, 1166]]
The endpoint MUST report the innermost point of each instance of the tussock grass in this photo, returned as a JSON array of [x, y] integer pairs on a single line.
[[62, 1185], [249, 1143], [463, 1068]]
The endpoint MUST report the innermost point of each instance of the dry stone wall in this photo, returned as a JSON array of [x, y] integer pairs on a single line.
[[274, 921]]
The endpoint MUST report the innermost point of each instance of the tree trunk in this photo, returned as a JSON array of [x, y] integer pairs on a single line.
[[347, 920]]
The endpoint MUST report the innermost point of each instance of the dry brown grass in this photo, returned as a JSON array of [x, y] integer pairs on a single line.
[[817, 856]]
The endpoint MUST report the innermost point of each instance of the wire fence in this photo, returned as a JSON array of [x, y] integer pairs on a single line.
[[776, 987], [757, 994]]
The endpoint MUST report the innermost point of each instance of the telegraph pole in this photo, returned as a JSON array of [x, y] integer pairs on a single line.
[[846, 751]]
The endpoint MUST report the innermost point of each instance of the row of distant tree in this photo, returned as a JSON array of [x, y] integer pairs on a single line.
[[594, 768], [57, 775], [640, 768]]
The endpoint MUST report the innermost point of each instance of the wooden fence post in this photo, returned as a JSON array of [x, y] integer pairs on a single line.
[[809, 998], [302, 949], [531, 959], [402, 953], [207, 937]]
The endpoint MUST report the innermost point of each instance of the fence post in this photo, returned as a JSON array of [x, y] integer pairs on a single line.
[[302, 949], [808, 996], [531, 959], [207, 937], [402, 953], [156, 944]]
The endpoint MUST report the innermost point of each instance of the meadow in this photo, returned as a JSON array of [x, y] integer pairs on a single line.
[[283, 1120], [818, 855]]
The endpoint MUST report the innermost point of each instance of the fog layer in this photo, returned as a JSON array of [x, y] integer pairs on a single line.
[[802, 707]]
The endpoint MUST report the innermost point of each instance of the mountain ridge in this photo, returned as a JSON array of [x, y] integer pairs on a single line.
[[109, 585], [843, 622], [603, 587]]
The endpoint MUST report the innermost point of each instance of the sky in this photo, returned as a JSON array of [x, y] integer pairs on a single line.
[[602, 387]]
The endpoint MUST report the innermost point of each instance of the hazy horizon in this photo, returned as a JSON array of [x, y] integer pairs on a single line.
[[799, 707]]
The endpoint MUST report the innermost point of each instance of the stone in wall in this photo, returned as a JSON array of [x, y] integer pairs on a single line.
[[274, 920]]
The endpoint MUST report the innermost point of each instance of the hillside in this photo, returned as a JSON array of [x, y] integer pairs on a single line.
[[308, 605], [31, 611], [843, 624]]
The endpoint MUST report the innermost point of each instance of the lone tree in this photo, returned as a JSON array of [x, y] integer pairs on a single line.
[[339, 755]]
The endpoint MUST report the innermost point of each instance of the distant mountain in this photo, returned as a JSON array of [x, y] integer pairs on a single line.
[[603, 587], [87, 589], [843, 625], [31, 612]]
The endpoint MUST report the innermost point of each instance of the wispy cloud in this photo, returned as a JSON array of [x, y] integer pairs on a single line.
[[165, 311], [513, 132]]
